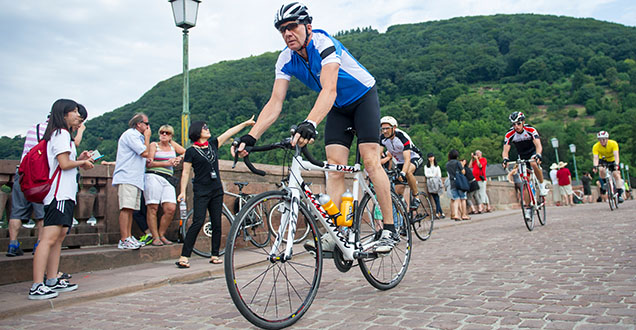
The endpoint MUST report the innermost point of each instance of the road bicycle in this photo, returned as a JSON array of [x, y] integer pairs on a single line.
[[421, 218], [274, 286], [530, 201], [610, 184], [254, 230]]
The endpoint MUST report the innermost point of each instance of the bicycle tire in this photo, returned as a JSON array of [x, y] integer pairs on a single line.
[[541, 212], [529, 221], [383, 272], [255, 229], [422, 218], [271, 294], [202, 245], [273, 228], [613, 203]]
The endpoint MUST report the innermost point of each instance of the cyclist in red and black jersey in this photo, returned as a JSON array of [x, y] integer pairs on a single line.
[[528, 145]]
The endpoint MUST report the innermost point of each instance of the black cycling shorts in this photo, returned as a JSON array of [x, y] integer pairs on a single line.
[[363, 115], [610, 165], [418, 162]]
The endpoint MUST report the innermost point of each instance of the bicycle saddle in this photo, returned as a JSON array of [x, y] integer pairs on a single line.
[[241, 185]]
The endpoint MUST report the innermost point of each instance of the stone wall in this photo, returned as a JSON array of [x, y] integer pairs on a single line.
[[98, 198]]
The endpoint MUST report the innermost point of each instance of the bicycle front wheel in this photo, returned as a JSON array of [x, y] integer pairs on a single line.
[[383, 271], [270, 292], [526, 206], [203, 243], [422, 218], [612, 195]]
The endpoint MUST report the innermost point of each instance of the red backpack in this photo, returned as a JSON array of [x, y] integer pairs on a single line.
[[34, 174]]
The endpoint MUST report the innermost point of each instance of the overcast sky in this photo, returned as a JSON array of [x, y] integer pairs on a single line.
[[107, 53]]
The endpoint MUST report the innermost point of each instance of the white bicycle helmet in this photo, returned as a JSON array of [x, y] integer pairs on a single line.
[[602, 135], [516, 116], [388, 120], [294, 11]]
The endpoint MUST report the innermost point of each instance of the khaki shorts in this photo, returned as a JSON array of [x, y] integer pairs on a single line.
[[566, 190], [129, 196]]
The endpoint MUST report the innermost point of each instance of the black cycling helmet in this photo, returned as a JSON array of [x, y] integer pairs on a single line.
[[517, 116], [294, 11]]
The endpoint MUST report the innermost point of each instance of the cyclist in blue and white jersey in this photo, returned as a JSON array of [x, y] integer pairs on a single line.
[[407, 156], [528, 145], [347, 97]]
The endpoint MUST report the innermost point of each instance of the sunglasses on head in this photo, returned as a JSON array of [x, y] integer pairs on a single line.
[[165, 133], [289, 27], [205, 127]]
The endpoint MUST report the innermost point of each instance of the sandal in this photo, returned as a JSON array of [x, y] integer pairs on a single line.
[[182, 264], [456, 219], [466, 218], [216, 260], [157, 242], [165, 241]]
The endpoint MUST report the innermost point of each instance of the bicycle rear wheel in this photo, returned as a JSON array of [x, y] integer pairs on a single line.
[[255, 227], [383, 271], [270, 292], [203, 244], [526, 207], [422, 218], [541, 213]]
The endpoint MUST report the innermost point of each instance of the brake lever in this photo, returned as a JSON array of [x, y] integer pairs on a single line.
[[235, 144]]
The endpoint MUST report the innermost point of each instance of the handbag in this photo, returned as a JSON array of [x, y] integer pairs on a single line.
[[474, 186], [461, 183]]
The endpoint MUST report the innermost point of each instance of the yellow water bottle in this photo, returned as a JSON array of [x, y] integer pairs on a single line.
[[329, 206], [346, 209]]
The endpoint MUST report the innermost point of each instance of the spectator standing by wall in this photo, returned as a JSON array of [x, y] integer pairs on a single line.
[[479, 163], [132, 150], [471, 195], [565, 184], [458, 197], [207, 188], [586, 180], [434, 182], [60, 201], [556, 192], [160, 185], [21, 209]]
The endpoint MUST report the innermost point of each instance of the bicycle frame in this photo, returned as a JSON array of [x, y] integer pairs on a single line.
[[298, 185]]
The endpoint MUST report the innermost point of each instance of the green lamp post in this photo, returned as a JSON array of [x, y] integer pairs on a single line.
[[185, 17]]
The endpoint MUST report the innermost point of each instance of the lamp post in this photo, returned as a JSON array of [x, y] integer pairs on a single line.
[[573, 151], [629, 183], [555, 145], [185, 17]]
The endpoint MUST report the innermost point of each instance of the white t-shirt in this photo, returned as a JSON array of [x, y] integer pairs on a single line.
[[60, 143]]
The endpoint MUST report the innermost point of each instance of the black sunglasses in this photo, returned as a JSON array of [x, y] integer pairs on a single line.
[[165, 133], [145, 122], [518, 123], [289, 27]]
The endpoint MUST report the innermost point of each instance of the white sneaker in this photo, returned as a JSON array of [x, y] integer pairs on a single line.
[[543, 190], [135, 241], [528, 213], [328, 244], [127, 245]]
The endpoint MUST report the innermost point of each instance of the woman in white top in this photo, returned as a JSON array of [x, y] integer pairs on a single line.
[[434, 183], [60, 201]]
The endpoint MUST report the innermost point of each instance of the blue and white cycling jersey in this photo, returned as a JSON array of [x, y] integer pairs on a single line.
[[353, 79]]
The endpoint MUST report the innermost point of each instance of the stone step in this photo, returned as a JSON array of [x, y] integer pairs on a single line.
[[86, 259]]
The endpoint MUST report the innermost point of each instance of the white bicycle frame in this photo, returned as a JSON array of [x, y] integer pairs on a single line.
[[347, 243]]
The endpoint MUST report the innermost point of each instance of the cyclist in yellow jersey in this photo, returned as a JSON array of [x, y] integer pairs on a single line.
[[605, 152]]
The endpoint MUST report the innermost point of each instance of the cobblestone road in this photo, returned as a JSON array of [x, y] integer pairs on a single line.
[[577, 272]]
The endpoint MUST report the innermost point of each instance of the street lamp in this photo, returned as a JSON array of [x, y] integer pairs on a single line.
[[555, 145], [573, 151], [185, 17]]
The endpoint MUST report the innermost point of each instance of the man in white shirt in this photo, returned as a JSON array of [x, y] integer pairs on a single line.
[[130, 166]]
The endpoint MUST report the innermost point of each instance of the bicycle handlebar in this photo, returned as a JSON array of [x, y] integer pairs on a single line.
[[284, 144]]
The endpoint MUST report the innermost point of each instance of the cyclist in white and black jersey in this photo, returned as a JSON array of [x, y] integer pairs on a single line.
[[401, 148], [528, 144], [347, 97]]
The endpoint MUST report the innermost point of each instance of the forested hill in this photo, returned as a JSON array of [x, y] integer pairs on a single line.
[[450, 84]]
